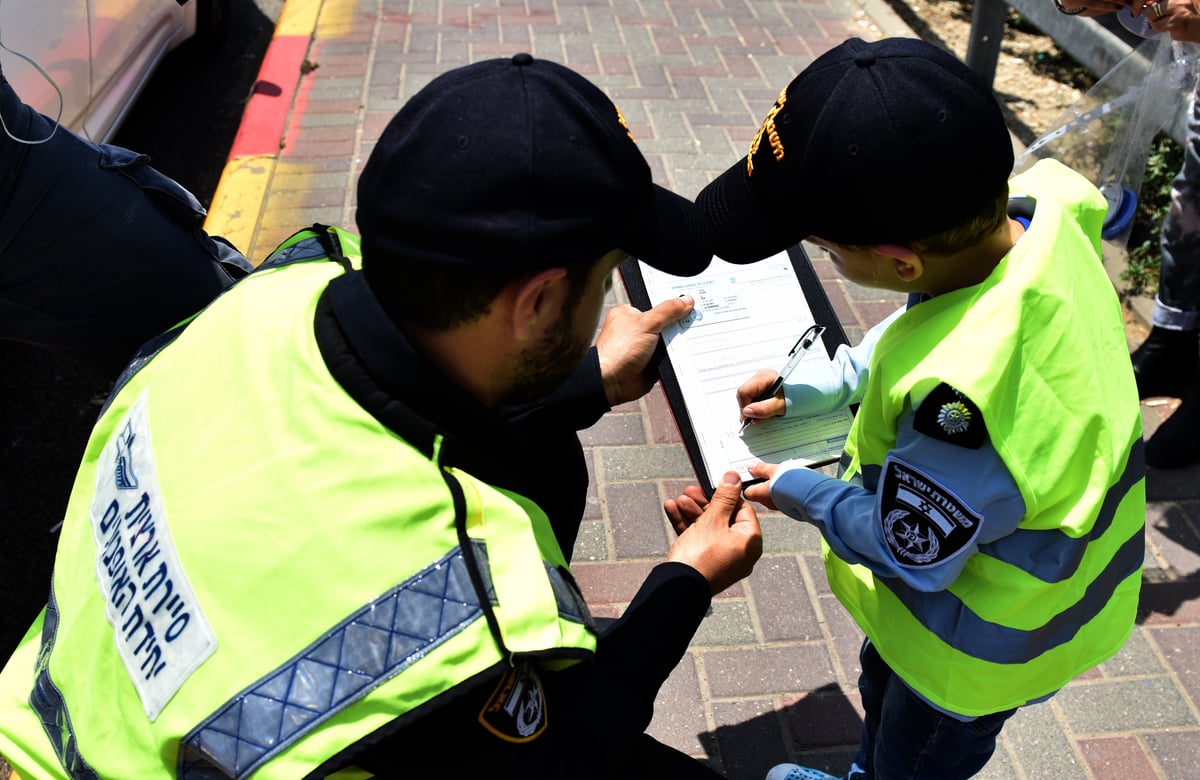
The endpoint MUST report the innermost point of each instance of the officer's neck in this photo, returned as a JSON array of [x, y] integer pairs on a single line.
[[466, 354]]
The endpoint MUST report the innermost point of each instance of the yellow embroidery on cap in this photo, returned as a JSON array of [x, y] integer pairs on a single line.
[[624, 124], [768, 128]]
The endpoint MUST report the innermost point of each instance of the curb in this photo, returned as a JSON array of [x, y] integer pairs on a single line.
[[237, 202]]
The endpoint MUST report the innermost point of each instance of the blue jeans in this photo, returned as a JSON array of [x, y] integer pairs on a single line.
[[1177, 305], [904, 738]]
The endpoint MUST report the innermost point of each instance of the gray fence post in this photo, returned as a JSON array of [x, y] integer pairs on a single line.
[[987, 32]]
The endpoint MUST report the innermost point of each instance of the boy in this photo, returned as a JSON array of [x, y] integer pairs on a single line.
[[986, 533]]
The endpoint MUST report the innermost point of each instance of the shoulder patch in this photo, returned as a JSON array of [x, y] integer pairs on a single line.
[[516, 710], [923, 522], [949, 416]]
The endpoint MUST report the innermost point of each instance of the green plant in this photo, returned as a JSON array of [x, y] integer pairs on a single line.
[[1141, 273]]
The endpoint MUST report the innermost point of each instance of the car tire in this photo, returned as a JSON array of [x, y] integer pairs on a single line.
[[212, 22]]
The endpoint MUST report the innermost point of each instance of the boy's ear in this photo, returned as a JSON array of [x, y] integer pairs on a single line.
[[907, 265]]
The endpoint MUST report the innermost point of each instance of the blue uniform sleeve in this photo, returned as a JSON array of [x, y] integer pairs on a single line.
[[933, 505], [818, 387]]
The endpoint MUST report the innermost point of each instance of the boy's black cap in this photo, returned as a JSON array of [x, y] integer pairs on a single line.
[[885, 142], [520, 162]]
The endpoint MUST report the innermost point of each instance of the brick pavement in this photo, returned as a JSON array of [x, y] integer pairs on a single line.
[[771, 674]]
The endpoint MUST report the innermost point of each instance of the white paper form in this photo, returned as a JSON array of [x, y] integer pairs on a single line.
[[747, 317]]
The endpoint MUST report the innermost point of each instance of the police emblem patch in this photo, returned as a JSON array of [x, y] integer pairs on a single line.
[[516, 710], [954, 417], [923, 522], [949, 416]]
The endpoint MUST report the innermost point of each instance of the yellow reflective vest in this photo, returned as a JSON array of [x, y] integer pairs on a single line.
[[254, 573], [1039, 347]]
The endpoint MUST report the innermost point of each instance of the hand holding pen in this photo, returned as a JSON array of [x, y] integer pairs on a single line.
[[749, 390]]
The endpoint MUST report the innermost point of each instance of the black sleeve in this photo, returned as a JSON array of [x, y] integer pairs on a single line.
[[596, 712], [577, 403], [636, 653]]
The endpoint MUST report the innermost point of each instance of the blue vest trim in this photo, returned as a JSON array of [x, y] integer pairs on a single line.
[[870, 474], [945, 615], [309, 249], [569, 598], [48, 702], [368, 648], [1052, 556]]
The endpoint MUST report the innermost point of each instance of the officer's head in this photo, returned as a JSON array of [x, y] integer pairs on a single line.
[[505, 168], [515, 183], [891, 142]]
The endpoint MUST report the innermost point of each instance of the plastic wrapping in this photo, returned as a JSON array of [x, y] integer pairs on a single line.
[[1138, 25], [1106, 135]]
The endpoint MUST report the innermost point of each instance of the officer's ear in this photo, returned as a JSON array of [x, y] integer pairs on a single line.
[[537, 302], [907, 266]]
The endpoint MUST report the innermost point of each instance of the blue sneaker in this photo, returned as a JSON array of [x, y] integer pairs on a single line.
[[797, 772]]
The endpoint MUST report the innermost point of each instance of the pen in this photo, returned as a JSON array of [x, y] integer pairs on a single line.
[[803, 345]]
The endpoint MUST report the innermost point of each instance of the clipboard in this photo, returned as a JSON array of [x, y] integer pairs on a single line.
[[747, 317]]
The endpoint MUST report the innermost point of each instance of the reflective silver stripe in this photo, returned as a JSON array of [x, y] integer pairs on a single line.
[[1052, 556], [571, 605], [48, 702], [365, 650], [307, 248], [944, 614], [352, 659]]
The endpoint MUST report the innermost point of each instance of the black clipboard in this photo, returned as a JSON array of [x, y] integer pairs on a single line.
[[822, 310]]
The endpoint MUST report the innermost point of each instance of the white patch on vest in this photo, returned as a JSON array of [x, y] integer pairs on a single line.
[[161, 633]]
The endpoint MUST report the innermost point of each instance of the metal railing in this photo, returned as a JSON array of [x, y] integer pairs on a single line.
[[1087, 41]]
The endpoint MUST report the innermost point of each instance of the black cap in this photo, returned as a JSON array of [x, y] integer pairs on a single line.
[[885, 142], [520, 162]]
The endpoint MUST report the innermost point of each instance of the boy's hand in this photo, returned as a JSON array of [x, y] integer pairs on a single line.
[[761, 493], [755, 386], [723, 541]]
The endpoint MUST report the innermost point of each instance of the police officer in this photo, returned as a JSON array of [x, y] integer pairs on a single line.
[[363, 566], [99, 251]]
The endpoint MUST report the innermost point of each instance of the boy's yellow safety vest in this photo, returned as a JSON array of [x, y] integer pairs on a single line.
[[255, 574], [1039, 347]]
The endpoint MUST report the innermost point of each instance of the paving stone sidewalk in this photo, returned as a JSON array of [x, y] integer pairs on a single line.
[[771, 675]]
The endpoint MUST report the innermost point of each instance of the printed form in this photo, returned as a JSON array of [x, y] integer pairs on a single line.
[[747, 317]]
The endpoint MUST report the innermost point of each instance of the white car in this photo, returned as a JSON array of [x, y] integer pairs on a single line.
[[100, 53]]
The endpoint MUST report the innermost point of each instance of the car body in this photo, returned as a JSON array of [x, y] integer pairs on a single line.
[[100, 54]]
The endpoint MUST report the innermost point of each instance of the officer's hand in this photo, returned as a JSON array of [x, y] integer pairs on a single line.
[[626, 343], [761, 493], [755, 386], [686, 509], [1180, 19], [724, 541]]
